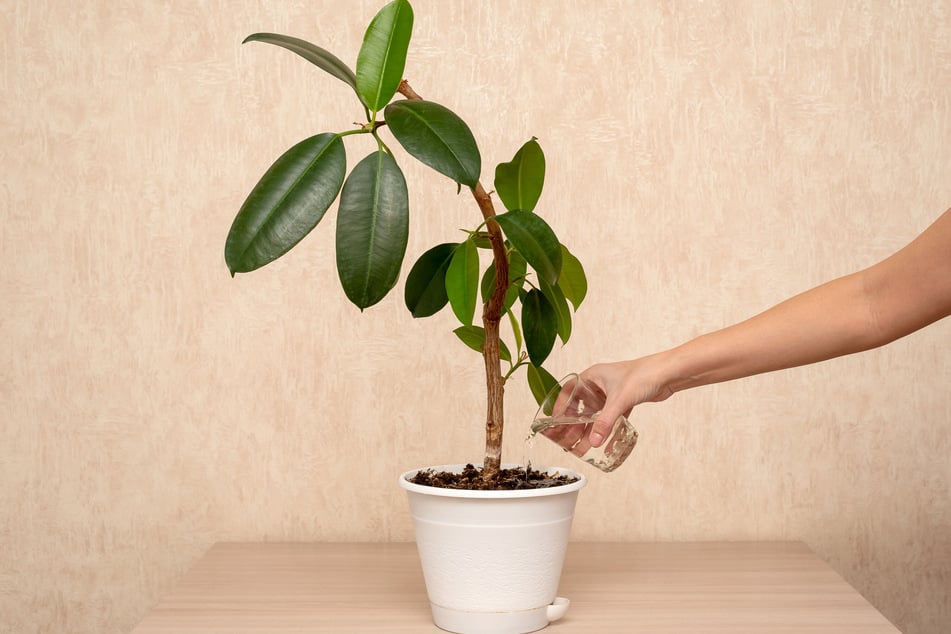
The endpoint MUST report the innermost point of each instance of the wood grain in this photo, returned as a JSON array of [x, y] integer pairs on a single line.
[[740, 588]]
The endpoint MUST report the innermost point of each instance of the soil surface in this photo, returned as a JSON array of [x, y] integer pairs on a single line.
[[509, 479]]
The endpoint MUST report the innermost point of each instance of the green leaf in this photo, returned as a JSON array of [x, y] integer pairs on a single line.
[[372, 229], [323, 59], [516, 330], [462, 281], [572, 281], [474, 337], [425, 292], [541, 383], [535, 240], [519, 183], [488, 282], [482, 241], [556, 298], [382, 56], [436, 136], [539, 324], [517, 269], [287, 203]]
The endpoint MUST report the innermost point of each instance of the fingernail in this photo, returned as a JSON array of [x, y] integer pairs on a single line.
[[596, 439]]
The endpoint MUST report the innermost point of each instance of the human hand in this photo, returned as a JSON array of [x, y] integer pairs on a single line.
[[624, 385], [567, 414]]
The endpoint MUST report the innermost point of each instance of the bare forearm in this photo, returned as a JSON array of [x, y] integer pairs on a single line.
[[828, 321], [897, 296], [870, 308]]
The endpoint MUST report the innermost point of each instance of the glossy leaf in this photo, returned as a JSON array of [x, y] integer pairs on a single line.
[[556, 298], [287, 203], [323, 59], [519, 182], [462, 281], [541, 383], [535, 240], [372, 229], [488, 282], [436, 136], [517, 270], [573, 282], [539, 325], [425, 292], [474, 337], [382, 56], [516, 331]]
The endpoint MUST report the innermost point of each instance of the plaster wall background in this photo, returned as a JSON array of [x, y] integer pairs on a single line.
[[705, 160]]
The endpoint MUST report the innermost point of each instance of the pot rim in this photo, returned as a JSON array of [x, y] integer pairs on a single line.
[[462, 493]]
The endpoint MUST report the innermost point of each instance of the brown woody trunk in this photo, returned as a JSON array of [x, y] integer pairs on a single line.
[[491, 316]]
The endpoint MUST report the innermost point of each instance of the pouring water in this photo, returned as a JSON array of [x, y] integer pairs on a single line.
[[566, 417]]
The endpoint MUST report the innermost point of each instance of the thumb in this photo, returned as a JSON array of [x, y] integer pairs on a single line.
[[603, 424]]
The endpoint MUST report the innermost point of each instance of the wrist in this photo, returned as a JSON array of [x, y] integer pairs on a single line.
[[676, 370]]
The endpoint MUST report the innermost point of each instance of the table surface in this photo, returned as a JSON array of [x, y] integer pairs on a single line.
[[740, 587]]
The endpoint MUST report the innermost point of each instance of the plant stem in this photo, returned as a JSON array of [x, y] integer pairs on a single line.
[[407, 91], [491, 316]]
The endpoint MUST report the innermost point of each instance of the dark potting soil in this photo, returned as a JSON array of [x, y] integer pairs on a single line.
[[509, 479]]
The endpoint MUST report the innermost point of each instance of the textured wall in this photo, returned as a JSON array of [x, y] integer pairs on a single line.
[[706, 160]]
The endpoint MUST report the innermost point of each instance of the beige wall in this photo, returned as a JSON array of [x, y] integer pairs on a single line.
[[706, 159]]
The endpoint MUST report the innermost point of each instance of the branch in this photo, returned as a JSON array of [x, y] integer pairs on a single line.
[[405, 90], [491, 316]]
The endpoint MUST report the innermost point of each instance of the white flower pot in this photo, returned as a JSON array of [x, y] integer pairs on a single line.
[[492, 559]]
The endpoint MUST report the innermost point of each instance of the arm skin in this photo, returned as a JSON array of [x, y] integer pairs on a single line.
[[864, 310]]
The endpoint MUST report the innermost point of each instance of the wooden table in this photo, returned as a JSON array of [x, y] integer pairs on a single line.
[[338, 588]]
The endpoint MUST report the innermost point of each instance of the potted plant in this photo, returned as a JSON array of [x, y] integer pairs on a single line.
[[532, 282]]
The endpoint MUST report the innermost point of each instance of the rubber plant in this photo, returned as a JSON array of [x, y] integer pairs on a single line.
[[531, 280]]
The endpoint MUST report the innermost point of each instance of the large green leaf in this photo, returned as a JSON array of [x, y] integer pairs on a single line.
[[539, 324], [519, 182], [288, 201], [541, 383], [436, 136], [517, 269], [535, 240], [321, 58], [474, 337], [572, 281], [425, 292], [556, 298], [462, 281], [382, 56], [372, 229]]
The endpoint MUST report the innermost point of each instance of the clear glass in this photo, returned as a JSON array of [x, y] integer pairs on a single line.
[[566, 417]]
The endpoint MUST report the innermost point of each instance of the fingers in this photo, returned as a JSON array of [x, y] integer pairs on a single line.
[[562, 400], [569, 437], [600, 430], [599, 377]]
